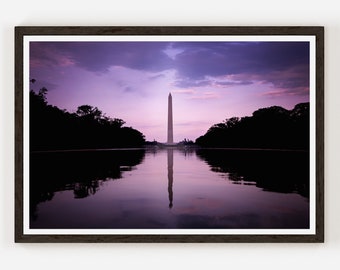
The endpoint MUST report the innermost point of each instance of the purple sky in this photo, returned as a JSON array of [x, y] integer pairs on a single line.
[[209, 81]]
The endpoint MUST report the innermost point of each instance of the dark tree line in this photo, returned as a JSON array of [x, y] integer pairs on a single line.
[[52, 128], [278, 171], [273, 127], [83, 172]]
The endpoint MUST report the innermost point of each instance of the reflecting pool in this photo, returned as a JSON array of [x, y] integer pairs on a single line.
[[169, 188]]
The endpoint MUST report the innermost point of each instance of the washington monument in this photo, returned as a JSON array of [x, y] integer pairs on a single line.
[[170, 123]]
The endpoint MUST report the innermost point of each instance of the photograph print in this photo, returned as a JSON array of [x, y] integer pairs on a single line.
[[168, 138]]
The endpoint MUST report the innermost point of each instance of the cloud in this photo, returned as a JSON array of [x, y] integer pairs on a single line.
[[228, 81], [263, 61], [172, 52], [298, 91], [183, 83], [284, 65], [43, 55], [100, 56], [184, 91], [157, 76], [195, 94], [293, 77], [205, 95]]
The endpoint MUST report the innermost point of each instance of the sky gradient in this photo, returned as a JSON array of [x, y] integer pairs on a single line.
[[209, 81]]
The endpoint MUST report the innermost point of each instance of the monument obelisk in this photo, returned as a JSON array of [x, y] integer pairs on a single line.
[[170, 123]]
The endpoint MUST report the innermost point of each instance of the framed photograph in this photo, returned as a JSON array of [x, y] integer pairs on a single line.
[[169, 134]]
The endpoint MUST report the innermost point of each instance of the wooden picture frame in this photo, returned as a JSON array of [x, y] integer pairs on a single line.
[[314, 35]]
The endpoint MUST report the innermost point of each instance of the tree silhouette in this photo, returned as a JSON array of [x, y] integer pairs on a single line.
[[88, 111], [53, 128], [272, 127]]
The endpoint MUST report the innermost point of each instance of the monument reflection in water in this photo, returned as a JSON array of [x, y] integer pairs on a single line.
[[170, 188]]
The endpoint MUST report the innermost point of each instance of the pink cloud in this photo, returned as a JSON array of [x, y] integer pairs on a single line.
[[46, 56], [298, 91], [206, 95], [274, 93], [185, 91]]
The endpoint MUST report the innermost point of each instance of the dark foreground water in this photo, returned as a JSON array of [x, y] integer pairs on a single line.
[[169, 188]]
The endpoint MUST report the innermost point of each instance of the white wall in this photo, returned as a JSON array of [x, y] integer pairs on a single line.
[[180, 13]]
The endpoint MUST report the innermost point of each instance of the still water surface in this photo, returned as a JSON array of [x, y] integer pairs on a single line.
[[169, 188]]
